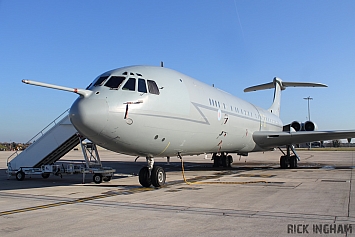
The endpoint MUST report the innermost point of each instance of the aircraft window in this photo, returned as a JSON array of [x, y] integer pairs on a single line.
[[131, 73], [125, 73], [152, 87], [114, 82], [138, 74], [142, 87], [130, 85], [100, 81]]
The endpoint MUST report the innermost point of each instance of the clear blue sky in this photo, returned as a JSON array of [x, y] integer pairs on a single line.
[[232, 44]]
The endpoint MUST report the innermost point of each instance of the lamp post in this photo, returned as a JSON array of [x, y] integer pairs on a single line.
[[309, 115], [309, 112]]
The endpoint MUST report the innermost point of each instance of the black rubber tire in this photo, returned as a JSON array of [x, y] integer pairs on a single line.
[[225, 160], [20, 175], [97, 178], [283, 163], [216, 160], [230, 160], [158, 176], [296, 162], [293, 162], [144, 177], [107, 178], [45, 175]]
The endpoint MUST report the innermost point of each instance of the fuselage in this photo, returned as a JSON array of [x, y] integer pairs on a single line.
[[158, 112]]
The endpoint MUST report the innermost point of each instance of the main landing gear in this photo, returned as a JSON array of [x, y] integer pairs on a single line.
[[288, 160], [152, 175], [223, 160]]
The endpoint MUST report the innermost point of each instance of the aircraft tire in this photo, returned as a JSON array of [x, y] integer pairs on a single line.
[[225, 160], [45, 175], [293, 162], [97, 178], [144, 178], [216, 161], [296, 162], [20, 175], [283, 164], [230, 160], [158, 176]]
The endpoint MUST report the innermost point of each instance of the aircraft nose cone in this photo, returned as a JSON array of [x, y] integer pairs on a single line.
[[89, 116]]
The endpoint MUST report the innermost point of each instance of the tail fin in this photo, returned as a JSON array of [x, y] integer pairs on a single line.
[[279, 86]]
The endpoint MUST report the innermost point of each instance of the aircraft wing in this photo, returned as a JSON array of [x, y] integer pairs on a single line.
[[269, 139]]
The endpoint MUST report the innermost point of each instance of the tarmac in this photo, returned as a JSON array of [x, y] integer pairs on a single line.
[[253, 198]]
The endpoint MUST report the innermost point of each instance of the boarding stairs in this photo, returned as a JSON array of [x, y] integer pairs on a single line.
[[51, 144]]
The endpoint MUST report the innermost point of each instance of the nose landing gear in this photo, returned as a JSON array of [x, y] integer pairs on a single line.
[[152, 175]]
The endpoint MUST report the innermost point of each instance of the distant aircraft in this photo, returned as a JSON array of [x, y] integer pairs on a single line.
[[153, 112]]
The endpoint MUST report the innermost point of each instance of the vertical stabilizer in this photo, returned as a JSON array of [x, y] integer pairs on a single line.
[[276, 104], [279, 86]]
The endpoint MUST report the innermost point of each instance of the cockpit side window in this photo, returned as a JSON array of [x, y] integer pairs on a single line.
[[130, 85], [114, 82], [142, 87], [100, 81], [152, 87]]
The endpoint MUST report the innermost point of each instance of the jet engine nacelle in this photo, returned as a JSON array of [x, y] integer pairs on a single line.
[[309, 126], [306, 126], [296, 125]]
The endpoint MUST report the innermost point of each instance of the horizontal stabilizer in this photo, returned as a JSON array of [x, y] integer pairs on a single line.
[[283, 85]]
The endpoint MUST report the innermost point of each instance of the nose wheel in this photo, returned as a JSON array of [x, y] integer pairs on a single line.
[[152, 175], [156, 177], [144, 177]]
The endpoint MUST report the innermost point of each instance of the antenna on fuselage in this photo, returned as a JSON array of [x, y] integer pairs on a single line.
[[161, 63]]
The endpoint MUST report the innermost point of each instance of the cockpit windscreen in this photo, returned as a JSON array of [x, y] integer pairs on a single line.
[[100, 80], [114, 82]]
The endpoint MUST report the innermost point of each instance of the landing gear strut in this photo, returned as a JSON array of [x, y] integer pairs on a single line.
[[288, 160], [151, 174]]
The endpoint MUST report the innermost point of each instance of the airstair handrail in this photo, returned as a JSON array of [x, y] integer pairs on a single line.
[[52, 124]]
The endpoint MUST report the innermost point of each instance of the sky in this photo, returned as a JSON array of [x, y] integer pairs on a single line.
[[232, 44]]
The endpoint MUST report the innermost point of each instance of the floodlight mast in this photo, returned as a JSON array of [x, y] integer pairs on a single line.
[[309, 115], [309, 112]]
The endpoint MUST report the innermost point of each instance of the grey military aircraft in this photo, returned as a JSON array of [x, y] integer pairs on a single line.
[[150, 112]]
